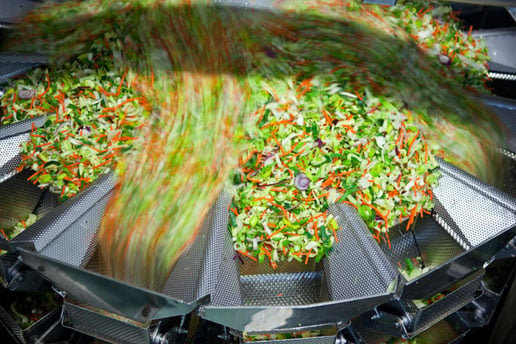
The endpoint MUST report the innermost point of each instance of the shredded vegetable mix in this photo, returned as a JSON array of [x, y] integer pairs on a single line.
[[10, 233], [323, 140], [279, 336], [351, 148], [93, 116], [437, 30], [332, 101], [412, 268]]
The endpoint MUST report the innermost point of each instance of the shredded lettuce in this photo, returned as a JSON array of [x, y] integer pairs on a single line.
[[363, 150], [93, 117]]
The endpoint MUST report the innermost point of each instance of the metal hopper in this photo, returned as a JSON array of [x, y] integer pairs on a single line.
[[470, 223], [353, 278]]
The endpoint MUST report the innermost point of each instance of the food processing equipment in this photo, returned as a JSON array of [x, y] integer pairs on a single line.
[[356, 294]]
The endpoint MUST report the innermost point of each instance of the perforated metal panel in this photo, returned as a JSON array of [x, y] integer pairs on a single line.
[[480, 211], [508, 184], [430, 315], [195, 274], [9, 153], [11, 136], [104, 327], [63, 231], [14, 10], [255, 298], [356, 267], [77, 243], [470, 222], [282, 289], [8, 70], [17, 64], [227, 292], [18, 199]]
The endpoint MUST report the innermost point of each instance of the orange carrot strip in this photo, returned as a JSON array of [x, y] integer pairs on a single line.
[[103, 163], [412, 142], [308, 256], [276, 232], [247, 255]]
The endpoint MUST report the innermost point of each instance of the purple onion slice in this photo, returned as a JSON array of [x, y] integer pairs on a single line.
[[302, 182]]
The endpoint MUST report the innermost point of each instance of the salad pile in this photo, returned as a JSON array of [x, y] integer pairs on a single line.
[[347, 107], [10, 233], [93, 115], [321, 140], [318, 144], [437, 30]]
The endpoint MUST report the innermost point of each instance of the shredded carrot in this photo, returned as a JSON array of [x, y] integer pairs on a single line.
[[285, 121], [48, 87], [4, 234], [279, 144], [103, 163], [412, 142], [327, 116], [308, 256], [121, 104], [388, 239], [295, 155], [247, 255]]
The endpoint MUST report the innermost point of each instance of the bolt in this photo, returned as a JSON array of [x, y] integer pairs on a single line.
[[478, 316], [160, 338], [180, 330]]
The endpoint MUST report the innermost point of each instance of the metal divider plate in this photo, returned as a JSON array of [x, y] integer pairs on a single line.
[[426, 317], [104, 327], [17, 64]]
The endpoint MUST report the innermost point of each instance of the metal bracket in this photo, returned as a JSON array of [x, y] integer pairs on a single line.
[[383, 322], [509, 251], [349, 335], [18, 277], [480, 311]]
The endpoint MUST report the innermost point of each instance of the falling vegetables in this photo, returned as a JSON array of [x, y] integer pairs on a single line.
[[328, 93]]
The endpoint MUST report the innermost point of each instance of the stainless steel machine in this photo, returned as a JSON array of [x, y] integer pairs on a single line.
[[213, 295]]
